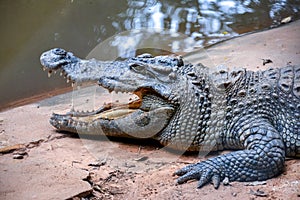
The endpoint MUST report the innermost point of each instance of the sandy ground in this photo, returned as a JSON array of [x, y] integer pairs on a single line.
[[38, 163]]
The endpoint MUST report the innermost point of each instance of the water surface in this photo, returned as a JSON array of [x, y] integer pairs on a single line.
[[30, 27]]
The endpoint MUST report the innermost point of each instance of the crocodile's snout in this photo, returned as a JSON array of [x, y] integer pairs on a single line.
[[55, 58]]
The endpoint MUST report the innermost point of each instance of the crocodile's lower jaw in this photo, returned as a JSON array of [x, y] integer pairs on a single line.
[[109, 111], [124, 120]]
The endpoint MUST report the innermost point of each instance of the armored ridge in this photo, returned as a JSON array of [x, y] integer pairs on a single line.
[[193, 108]]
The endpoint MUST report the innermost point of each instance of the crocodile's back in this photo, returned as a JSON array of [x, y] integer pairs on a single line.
[[275, 95], [287, 82]]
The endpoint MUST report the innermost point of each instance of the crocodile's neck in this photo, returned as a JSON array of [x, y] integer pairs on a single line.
[[203, 108], [193, 112]]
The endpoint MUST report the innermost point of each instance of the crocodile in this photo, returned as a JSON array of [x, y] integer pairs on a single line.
[[256, 114]]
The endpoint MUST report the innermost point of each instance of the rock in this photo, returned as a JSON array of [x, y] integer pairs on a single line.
[[286, 20], [258, 193]]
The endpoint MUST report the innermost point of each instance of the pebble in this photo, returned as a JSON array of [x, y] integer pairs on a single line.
[[258, 193], [255, 183], [18, 156], [226, 181], [286, 20]]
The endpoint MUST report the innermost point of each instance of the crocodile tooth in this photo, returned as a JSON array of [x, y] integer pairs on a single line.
[[49, 73], [44, 68], [70, 122], [73, 83], [172, 76], [75, 123], [72, 109], [61, 73]]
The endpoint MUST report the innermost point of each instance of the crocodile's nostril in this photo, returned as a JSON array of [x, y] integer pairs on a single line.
[[59, 51]]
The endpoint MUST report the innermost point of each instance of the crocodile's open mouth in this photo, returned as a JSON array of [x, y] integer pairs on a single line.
[[111, 111], [146, 111]]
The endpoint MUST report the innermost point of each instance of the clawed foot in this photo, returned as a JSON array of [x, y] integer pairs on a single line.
[[205, 172]]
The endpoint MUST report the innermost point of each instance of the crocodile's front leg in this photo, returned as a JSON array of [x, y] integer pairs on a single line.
[[262, 158]]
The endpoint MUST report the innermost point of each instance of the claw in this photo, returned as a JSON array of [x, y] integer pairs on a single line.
[[180, 172], [184, 170], [205, 178], [203, 171], [188, 176], [216, 181]]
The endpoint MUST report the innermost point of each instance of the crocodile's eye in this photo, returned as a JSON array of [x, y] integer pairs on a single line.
[[137, 67]]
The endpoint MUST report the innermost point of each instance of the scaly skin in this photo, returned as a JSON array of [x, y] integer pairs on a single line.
[[193, 108]]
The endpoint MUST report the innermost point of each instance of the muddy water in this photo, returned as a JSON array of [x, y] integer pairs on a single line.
[[30, 27]]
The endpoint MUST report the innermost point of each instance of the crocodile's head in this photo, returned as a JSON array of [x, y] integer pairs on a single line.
[[153, 79]]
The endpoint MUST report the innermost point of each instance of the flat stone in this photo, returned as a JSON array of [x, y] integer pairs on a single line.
[[43, 174]]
